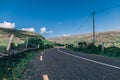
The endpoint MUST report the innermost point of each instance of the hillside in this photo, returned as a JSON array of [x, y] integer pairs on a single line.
[[17, 33], [19, 36], [109, 36]]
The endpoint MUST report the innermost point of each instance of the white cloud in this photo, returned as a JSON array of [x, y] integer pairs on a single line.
[[7, 25], [43, 30], [66, 35], [28, 29]]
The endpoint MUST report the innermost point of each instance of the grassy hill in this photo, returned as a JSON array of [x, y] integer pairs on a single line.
[[19, 36], [109, 36], [18, 33]]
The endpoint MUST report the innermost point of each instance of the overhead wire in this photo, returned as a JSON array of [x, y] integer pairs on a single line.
[[104, 9], [89, 16], [85, 20]]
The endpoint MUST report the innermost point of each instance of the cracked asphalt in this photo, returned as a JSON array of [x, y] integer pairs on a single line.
[[59, 66]]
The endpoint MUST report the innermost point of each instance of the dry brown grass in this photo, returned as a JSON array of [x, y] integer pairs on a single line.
[[110, 36]]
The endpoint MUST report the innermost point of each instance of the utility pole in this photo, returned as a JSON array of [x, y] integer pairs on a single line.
[[93, 22]]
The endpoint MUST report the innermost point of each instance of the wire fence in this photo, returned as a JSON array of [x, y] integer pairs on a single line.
[[113, 47], [9, 45]]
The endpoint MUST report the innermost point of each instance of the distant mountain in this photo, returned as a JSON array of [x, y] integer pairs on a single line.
[[109, 36]]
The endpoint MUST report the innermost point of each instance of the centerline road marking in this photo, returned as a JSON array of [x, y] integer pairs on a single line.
[[45, 77], [97, 62], [41, 58]]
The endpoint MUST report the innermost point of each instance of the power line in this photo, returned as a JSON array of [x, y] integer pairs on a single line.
[[108, 8], [85, 20], [82, 23], [104, 9], [93, 18]]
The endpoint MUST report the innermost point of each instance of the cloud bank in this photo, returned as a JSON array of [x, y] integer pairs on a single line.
[[6, 24]]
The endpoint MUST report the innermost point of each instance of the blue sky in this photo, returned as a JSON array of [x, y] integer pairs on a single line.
[[60, 17]]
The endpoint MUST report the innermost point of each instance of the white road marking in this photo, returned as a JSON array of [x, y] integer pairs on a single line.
[[97, 62], [45, 77], [41, 58]]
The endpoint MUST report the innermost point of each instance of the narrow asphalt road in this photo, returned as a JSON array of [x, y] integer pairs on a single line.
[[63, 64]]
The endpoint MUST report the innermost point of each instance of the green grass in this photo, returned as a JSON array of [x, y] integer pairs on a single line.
[[19, 37], [21, 66], [12, 68], [18, 34], [111, 52], [110, 55]]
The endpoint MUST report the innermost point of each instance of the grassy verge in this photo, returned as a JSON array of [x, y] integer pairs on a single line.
[[110, 55], [109, 52], [11, 68]]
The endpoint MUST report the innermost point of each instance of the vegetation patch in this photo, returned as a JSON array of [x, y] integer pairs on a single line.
[[90, 48], [11, 67]]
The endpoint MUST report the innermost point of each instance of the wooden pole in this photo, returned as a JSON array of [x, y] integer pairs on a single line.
[[38, 46], [9, 43], [103, 47], [93, 22]]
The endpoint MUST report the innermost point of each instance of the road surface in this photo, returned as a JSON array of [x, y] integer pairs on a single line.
[[63, 64]]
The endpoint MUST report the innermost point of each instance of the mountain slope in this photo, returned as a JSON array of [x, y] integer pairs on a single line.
[[109, 36]]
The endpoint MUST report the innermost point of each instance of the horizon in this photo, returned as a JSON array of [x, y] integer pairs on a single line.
[[65, 34]]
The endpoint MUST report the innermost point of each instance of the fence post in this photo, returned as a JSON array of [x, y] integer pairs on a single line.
[[38, 46], [103, 47], [9, 43], [26, 43]]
